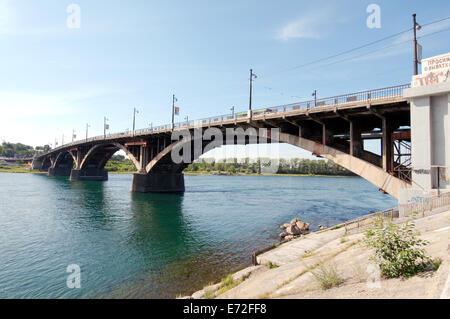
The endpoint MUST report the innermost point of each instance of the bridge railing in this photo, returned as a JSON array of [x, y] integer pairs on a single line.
[[370, 95]]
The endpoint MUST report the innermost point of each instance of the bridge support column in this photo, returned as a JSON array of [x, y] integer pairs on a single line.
[[356, 143], [158, 183], [387, 147], [59, 171], [89, 174]]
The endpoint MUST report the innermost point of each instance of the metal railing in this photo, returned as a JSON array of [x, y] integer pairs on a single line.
[[370, 95], [425, 204]]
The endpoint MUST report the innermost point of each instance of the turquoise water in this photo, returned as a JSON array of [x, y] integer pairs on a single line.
[[155, 245]]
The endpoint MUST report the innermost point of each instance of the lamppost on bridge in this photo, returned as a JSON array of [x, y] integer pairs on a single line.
[[232, 111], [416, 27], [87, 130], [186, 118], [175, 110], [252, 77], [105, 126], [151, 126], [74, 136], [134, 119], [315, 97], [62, 140]]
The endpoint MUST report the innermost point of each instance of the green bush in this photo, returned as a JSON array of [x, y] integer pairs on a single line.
[[399, 251]]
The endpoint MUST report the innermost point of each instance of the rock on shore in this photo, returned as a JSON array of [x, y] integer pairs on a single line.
[[293, 229]]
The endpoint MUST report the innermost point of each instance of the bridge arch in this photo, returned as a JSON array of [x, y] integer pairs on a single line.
[[100, 154], [376, 175]]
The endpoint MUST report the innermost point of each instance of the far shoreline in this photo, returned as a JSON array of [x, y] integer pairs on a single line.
[[24, 170]]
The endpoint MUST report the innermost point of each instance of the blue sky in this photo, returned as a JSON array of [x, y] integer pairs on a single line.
[[138, 53]]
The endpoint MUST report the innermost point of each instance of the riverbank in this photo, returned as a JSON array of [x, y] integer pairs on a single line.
[[287, 271], [17, 169]]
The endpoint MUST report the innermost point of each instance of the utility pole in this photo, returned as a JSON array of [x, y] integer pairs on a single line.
[[252, 76], [416, 27], [87, 130]]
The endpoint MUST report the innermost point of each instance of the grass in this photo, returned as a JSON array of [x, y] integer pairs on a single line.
[[271, 265], [343, 240], [327, 276], [209, 294], [436, 263]]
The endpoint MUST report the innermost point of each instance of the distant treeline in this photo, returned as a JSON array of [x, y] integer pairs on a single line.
[[286, 166], [119, 163], [19, 150]]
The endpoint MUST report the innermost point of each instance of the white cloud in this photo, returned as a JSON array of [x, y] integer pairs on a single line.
[[311, 25], [302, 28]]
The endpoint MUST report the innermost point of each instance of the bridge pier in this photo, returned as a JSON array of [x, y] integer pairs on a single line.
[[89, 174], [59, 171], [158, 183]]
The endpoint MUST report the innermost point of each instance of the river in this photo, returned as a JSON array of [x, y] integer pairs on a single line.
[[155, 245]]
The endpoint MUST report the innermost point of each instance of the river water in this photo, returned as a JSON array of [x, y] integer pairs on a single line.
[[155, 245]]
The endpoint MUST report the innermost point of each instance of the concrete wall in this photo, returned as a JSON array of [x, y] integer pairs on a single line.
[[430, 139]]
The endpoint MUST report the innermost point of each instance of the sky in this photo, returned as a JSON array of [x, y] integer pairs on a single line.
[[59, 73]]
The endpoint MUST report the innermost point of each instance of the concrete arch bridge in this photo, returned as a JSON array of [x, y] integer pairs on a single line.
[[333, 128]]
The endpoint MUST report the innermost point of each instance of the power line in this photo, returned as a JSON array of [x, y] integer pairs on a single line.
[[345, 52], [357, 48]]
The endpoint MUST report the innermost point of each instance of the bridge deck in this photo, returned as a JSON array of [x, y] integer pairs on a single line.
[[346, 103]]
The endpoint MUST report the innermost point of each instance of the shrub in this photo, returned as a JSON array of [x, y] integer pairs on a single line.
[[327, 276], [399, 251], [271, 265]]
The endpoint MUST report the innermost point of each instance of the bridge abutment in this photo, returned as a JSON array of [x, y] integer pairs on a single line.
[[89, 174], [158, 183]]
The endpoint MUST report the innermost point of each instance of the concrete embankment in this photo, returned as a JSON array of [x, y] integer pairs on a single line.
[[287, 270]]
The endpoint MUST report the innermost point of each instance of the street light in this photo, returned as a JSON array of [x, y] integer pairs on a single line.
[[87, 130], [175, 110], [252, 77], [105, 126], [134, 119], [74, 136], [232, 111], [315, 97], [187, 120]]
